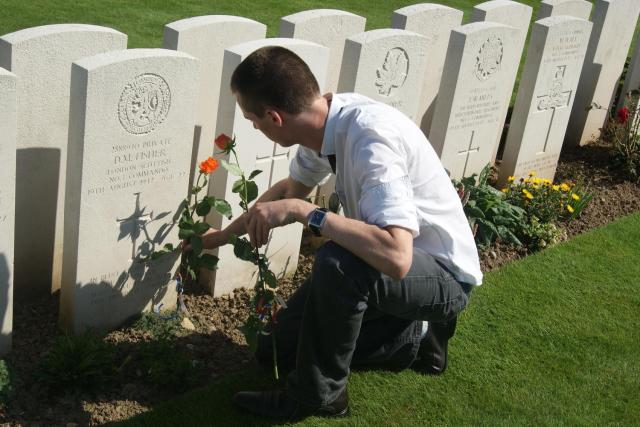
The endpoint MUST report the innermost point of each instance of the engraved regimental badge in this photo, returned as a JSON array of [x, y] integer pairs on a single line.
[[489, 58], [144, 104], [393, 72]]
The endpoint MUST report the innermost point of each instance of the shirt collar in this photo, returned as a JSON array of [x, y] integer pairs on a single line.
[[328, 141]]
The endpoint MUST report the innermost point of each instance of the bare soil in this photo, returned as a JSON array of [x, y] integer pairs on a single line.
[[216, 346]]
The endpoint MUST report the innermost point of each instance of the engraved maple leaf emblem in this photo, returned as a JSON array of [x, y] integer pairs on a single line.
[[394, 71]]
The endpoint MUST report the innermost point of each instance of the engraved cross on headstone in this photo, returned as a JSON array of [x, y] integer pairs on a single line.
[[266, 163], [467, 152], [133, 225], [555, 99]]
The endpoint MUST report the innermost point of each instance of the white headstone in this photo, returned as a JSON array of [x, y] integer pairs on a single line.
[[327, 27], [547, 90], [482, 58], [7, 205], [41, 57], [505, 12], [387, 65], [632, 79], [132, 113], [206, 38], [255, 151], [575, 8], [510, 13], [435, 22], [614, 22]]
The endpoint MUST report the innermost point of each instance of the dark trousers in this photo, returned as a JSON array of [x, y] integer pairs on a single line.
[[348, 314]]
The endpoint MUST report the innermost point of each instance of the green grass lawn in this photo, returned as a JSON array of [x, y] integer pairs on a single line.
[[553, 339], [143, 20]]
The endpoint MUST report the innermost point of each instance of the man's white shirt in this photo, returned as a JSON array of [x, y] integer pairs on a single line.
[[387, 173]]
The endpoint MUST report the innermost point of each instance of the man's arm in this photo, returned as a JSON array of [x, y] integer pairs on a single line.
[[284, 189], [389, 249]]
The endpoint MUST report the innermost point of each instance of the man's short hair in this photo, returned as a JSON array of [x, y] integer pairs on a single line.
[[276, 77]]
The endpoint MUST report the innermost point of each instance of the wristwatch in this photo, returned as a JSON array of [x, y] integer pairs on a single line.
[[316, 220]]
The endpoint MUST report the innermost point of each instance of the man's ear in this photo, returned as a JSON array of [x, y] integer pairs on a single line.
[[275, 116]]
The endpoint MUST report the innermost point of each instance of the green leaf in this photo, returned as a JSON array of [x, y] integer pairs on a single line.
[[200, 227], [243, 250], [186, 221], [231, 167], [203, 207], [191, 272], [169, 247], [270, 279], [223, 208], [185, 233], [255, 173], [238, 187], [252, 191], [474, 211], [209, 261], [196, 244]]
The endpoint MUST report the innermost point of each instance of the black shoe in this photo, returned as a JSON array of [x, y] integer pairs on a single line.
[[276, 404], [433, 355]]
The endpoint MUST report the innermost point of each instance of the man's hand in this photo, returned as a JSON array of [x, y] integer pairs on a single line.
[[263, 216], [211, 239]]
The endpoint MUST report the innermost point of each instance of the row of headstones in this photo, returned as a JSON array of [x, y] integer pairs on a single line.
[[121, 122]]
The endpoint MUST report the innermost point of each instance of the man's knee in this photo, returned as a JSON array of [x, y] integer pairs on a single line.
[[341, 278]]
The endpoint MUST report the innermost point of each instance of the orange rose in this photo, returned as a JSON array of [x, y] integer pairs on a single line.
[[222, 141], [208, 165]]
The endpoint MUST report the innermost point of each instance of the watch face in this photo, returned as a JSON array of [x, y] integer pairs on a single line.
[[316, 218]]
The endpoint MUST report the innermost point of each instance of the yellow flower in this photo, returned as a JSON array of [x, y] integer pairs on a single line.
[[574, 196], [548, 181], [564, 187], [532, 173], [527, 194], [570, 209], [511, 178], [556, 187], [505, 190]]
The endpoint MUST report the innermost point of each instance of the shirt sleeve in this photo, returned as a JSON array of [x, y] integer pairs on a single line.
[[387, 193], [308, 168]]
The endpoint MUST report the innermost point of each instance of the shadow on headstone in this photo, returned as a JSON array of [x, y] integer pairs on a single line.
[[583, 104], [110, 299], [197, 135], [5, 301], [37, 171]]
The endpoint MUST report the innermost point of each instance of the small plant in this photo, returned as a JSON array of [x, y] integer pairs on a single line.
[[490, 215], [539, 235], [6, 387], [160, 327], [83, 362], [266, 302], [546, 201], [623, 132]]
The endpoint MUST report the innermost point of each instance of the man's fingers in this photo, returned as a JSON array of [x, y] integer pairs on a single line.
[[265, 234], [251, 230]]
